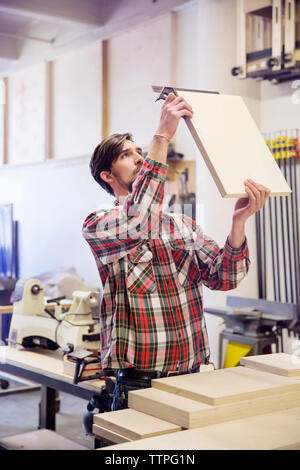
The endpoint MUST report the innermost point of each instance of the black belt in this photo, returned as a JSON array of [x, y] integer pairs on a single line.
[[140, 374]]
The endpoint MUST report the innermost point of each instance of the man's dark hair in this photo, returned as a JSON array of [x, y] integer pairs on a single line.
[[105, 154]]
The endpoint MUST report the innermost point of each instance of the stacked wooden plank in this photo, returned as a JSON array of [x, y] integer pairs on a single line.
[[129, 424], [287, 365], [251, 407]]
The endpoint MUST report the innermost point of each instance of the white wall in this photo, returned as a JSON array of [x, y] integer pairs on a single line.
[[51, 202], [280, 106], [77, 101], [26, 112], [138, 59]]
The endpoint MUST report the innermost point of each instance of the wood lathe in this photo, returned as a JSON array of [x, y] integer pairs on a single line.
[[34, 325]]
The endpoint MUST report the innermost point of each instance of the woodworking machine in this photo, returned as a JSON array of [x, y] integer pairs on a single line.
[[33, 324], [253, 324]]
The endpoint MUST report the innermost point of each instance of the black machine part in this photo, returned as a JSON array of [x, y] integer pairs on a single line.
[[39, 341], [257, 317], [80, 357], [99, 403], [286, 315]]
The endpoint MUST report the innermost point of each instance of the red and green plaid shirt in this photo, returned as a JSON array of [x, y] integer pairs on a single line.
[[152, 265]]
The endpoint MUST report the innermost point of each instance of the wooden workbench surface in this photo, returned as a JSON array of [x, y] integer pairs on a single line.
[[6, 309], [43, 361]]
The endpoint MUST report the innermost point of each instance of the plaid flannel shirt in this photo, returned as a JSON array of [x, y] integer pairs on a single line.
[[152, 265]]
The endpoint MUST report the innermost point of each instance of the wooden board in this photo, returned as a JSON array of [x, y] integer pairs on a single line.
[[134, 424], [277, 363], [227, 385], [277, 31], [231, 144], [191, 414], [168, 406], [44, 439], [290, 31], [43, 361], [279, 430], [6, 309], [109, 435]]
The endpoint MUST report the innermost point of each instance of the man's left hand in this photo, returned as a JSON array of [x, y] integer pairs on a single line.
[[247, 206]]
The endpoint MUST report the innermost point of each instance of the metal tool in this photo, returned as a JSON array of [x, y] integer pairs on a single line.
[[34, 325], [83, 361], [165, 91], [256, 322]]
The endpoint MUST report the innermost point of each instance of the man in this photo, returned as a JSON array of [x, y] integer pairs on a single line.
[[152, 264]]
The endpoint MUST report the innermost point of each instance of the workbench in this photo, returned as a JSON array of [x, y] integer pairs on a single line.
[[46, 368]]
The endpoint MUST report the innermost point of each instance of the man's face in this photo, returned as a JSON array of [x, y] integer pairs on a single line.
[[125, 168]]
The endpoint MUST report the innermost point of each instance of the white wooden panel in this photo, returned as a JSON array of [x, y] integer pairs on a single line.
[[77, 102], [259, 33], [290, 30], [277, 33], [136, 60], [277, 363], [227, 385], [231, 144], [241, 38], [267, 33], [249, 33], [134, 424], [26, 115]]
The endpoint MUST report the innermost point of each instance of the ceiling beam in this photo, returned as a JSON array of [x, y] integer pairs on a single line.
[[87, 12], [121, 15]]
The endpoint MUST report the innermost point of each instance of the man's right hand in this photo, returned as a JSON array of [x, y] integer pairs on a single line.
[[173, 109]]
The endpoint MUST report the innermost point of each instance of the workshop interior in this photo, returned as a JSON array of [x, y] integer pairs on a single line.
[[70, 77]]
